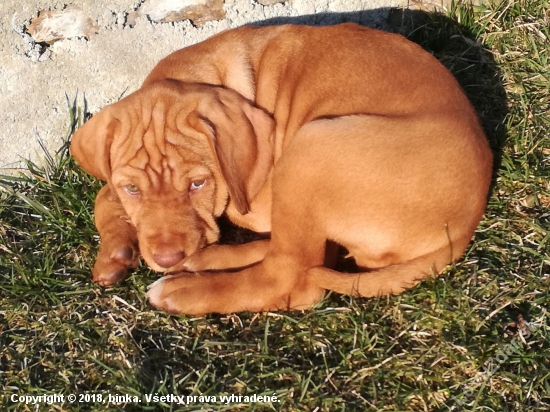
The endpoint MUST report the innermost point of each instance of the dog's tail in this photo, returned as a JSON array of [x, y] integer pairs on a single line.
[[393, 279]]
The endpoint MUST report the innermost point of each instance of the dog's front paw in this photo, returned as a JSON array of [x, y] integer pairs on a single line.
[[171, 294], [228, 292], [224, 257], [113, 263], [201, 293], [209, 258], [193, 263]]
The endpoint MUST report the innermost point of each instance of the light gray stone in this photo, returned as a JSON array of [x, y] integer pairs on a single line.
[[53, 25], [169, 11]]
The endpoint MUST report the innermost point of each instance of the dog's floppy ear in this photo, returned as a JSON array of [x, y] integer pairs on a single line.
[[91, 144], [241, 137]]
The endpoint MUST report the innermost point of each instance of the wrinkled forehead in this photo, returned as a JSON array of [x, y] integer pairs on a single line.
[[154, 140]]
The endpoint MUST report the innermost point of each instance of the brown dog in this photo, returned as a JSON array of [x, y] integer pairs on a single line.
[[343, 134]]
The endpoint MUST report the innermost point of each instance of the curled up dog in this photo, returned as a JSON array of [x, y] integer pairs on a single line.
[[315, 135]]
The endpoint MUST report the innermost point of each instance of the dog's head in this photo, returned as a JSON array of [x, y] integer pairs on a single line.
[[175, 154]]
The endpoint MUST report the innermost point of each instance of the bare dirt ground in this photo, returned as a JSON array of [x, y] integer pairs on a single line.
[[35, 78]]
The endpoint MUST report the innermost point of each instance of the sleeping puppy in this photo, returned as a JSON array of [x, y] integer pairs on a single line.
[[318, 136]]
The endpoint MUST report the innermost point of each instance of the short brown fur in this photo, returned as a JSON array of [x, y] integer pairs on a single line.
[[341, 133]]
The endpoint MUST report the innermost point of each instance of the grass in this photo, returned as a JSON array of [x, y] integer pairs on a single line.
[[447, 344]]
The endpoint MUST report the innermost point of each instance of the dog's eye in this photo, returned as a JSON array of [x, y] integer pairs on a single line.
[[196, 184], [131, 189]]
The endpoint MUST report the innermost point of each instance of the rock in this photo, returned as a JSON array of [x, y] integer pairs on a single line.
[[198, 11], [53, 25]]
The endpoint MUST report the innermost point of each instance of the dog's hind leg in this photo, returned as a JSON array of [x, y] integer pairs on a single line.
[[393, 279]]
